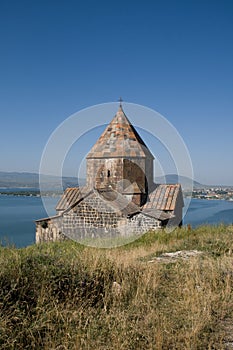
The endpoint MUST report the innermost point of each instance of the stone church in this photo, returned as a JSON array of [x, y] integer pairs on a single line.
[[120, 197]]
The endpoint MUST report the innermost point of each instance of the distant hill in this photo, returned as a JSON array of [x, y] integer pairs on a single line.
[[174, 179], [25, 179]]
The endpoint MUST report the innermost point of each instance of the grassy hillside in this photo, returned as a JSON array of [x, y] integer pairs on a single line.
[[67, 296]]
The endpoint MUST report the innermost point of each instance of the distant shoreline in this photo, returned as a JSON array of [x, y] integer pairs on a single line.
[[53, 193], [33, 193]]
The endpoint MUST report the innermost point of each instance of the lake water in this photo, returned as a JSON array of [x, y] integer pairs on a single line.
[[18, 213], [17, 218]]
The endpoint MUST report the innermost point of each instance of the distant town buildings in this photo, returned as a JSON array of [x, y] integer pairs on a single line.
[[224, 193]]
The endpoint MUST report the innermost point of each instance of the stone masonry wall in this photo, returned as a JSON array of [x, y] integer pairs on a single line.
[[49, 230], [119, 173], [92, 218], [138, 224], [102, 171], [135, 171]]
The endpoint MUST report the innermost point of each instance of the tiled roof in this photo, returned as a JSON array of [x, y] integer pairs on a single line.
[[158, 214], [164, 197], [118, 202], [120, 139], [70, 197], [112, 198], [48, 218]]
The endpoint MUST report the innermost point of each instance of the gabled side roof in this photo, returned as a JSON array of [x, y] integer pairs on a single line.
[[158, 214], [111, 198], [120, 139], [118, 202], [164, 197], [70, 197]]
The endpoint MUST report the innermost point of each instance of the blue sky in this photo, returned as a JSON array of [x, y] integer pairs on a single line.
[[176, 57]]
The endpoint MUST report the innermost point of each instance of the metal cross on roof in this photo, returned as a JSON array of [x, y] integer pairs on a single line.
[[120, 100]]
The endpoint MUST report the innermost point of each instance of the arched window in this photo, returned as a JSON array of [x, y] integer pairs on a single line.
[[108, 175]]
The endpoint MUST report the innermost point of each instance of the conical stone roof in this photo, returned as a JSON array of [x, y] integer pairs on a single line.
[[120, 139]]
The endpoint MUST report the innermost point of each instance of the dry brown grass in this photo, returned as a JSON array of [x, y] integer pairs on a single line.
[[63, 296]]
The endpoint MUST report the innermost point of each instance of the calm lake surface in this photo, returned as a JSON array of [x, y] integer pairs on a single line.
[[18, 213]]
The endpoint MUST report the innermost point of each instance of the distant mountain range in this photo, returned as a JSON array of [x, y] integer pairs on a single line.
[[31, 180], [185, 181]]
